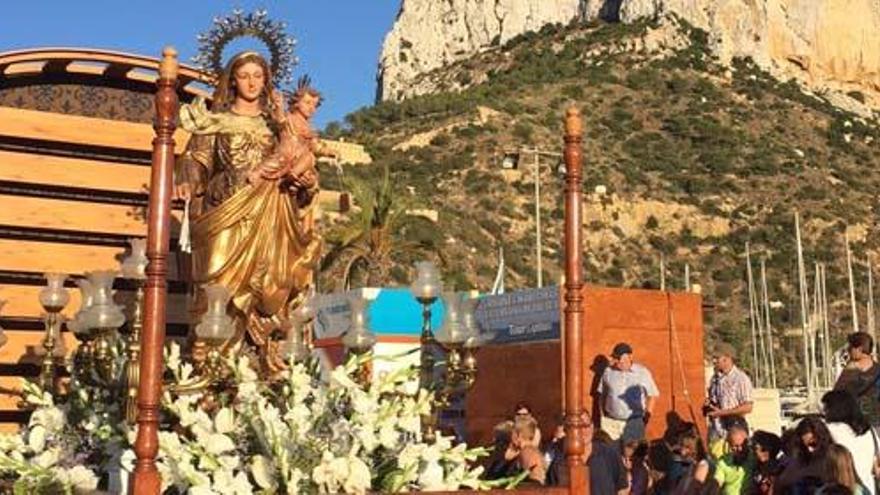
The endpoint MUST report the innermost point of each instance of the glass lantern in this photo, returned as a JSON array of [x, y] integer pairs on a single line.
[[134, 265], [216, 326], [79, 325], [359, 338], [427, 285], [103, 313], [452, 332], [294, 347], [53, 297], [473, 336]]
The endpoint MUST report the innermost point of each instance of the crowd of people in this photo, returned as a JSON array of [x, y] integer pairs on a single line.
[[832, 452]]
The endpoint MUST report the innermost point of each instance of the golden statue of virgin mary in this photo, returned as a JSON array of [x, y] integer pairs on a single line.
[[250, 178]]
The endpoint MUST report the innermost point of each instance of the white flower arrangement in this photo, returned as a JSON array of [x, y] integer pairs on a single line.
[[302, 435], [56, 452], [297, 434]]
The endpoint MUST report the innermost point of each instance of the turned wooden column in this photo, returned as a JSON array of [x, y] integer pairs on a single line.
[[575, 423], [146, 480]]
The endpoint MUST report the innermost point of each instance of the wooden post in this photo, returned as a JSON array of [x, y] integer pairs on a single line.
[[145, 479], [575, 419]]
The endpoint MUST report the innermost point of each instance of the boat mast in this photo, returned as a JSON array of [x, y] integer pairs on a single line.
[[852, 284], [769, 327], [753, 316], [802, 282]]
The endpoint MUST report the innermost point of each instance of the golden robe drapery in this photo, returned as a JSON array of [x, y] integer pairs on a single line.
[[257, 240]]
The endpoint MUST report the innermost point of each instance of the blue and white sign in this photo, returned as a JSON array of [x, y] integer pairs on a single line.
[[523, 316]]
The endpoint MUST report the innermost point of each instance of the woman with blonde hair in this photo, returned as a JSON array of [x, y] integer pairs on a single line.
[[839, 470]]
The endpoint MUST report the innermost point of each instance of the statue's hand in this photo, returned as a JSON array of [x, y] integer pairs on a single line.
[[273, 168], [305, 180], [183, 191], [276, 173], [277, 106]]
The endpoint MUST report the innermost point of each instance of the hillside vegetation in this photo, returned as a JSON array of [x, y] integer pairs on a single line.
[[696, 159]]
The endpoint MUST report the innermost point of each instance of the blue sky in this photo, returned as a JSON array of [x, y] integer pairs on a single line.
[[338, 41]]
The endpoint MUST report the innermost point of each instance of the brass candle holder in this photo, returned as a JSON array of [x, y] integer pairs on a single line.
[[53, 298], [79, 326], [359, 340], [426, 288], [134, 268], [214, 329], [104, 318]]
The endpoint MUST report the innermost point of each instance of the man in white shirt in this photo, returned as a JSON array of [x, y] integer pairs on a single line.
[[627, 392]]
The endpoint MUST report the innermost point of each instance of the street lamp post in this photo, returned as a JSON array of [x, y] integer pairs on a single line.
[[536, 170], [538, 243]]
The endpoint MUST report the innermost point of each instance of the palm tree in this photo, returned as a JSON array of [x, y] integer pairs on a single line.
[[379, 235]]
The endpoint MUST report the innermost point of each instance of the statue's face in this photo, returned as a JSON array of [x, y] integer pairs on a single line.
[[249, 81], [307, 105]]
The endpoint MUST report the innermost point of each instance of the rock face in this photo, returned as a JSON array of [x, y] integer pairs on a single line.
[[429, 34], [823, 43]]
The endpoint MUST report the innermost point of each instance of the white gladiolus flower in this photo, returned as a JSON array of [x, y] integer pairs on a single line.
[[186, 371], [245, 373], [172, 356], [229, 462], [263, 472], [193, 476], [299, 417], [37, 438], [410, 455], [431, 453], [455, 455], [218, 443], [295, 477], [300, 380], [201, 490], [48, 458], [225, 483], [388, 437], [324, 474], [471, 479], [224, 422], [431, 477], [410, 423], [126, 461], [52, 418], [339, 378], [80, 478], [241, 485], [367, 437], [247, 391], [11, 443], [359, 477]]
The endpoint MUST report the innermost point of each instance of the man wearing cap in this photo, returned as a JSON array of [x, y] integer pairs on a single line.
[[627, 392], [730, 392]]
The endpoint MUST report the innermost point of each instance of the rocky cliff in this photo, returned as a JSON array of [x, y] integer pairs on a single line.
[[823, 43], [429, 34]]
